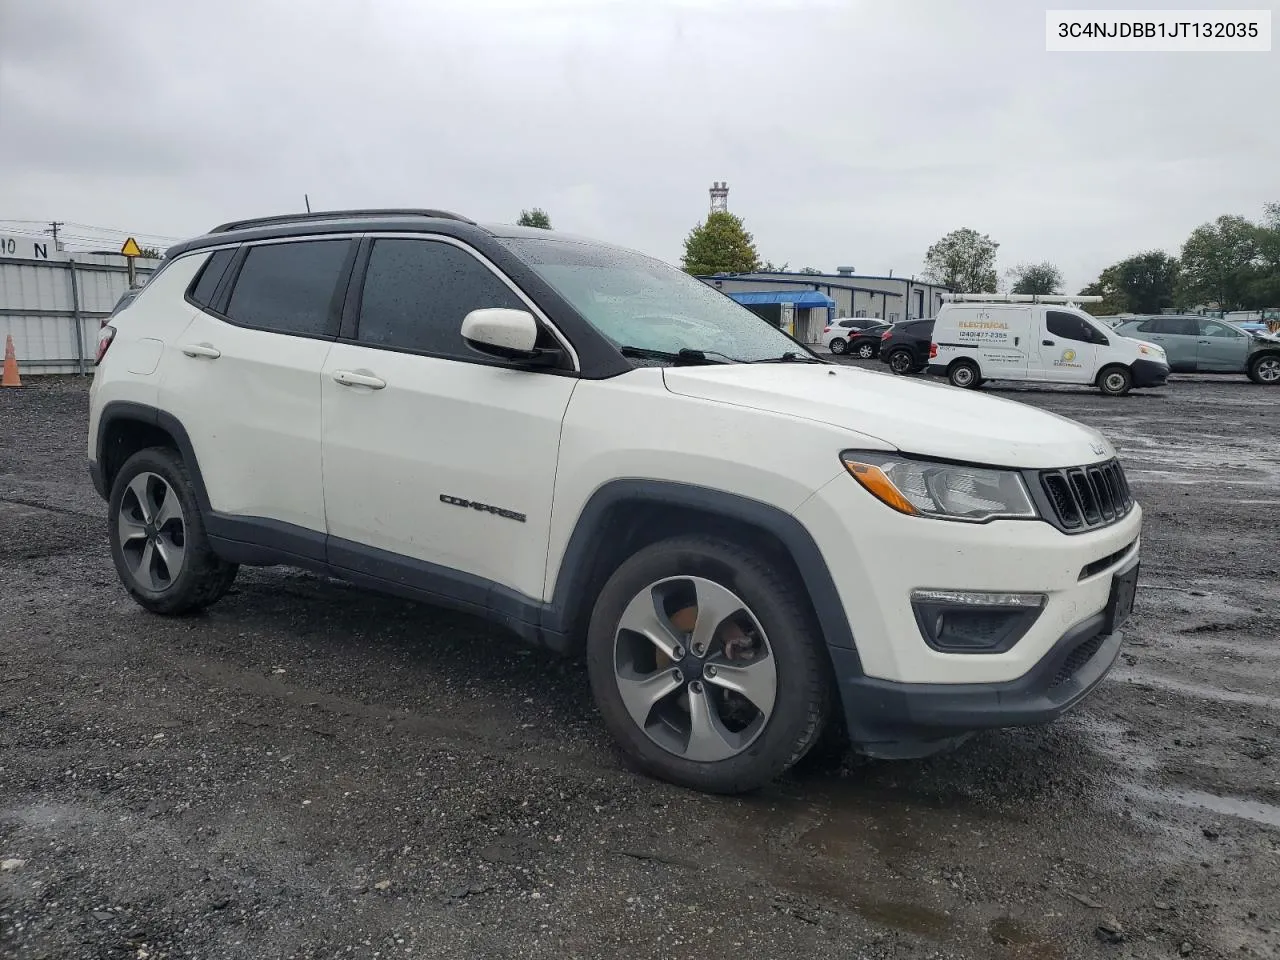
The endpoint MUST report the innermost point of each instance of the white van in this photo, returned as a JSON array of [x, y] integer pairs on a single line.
[[979, 337]]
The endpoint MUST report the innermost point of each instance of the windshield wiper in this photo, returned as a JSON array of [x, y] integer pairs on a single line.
[[684, 355], [791, 357]]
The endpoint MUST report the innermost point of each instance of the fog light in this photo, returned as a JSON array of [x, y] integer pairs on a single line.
[[961, 621]]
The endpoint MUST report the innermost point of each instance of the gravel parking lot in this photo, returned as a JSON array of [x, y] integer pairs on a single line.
[[311, 771]]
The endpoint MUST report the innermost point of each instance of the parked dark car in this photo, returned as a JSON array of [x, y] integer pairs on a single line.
[[865, 344], [905, 346], [838, 335]]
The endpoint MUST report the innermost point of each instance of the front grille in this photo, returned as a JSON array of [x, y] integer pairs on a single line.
[[1076, 659], [1084, 498]]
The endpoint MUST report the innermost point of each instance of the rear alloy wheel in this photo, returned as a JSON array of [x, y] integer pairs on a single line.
[[839, 345], [866, 351], [964, 374], [1115, 381], [705, 666], [157, 536], [1265, 369], [900, 361]]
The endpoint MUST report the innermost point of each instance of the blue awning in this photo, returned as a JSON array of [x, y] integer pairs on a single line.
[[801, 298]]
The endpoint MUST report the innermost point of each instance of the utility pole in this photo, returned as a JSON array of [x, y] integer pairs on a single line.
[[53, 228], [307, 200]]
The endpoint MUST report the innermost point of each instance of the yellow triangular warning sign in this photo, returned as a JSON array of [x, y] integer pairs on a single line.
[[131, 248]]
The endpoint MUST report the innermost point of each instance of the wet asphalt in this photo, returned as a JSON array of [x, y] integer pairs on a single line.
[[311, 771]]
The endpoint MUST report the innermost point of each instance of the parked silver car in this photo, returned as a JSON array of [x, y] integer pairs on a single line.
[[1207, 345]]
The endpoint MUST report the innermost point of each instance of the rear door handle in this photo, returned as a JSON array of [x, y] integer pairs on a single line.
[[1203, 342], [207, 350], [349, 378], [1046, 343]]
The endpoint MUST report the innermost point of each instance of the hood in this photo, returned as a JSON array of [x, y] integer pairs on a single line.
[[914, 416]]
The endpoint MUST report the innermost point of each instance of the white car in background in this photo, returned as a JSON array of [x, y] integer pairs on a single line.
[[837, 334]]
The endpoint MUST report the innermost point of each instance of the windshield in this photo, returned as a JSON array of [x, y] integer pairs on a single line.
[[637, 301]]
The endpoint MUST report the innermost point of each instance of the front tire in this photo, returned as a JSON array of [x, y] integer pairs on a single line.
[[157, 535], [838, 346], [866, 351], [1265, 369], [706, 665], [964, 374], [1115, 381]]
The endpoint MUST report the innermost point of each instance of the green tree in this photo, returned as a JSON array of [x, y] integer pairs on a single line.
[[1264, 291], [1035, 278], [720, 244], [152, 252], [810, 270], [1143, 283], [537, 217], [1221, 264], [963, 260], [768, 266]]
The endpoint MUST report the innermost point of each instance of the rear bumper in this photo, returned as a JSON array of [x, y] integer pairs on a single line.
[[1149, 373], [891, 719]]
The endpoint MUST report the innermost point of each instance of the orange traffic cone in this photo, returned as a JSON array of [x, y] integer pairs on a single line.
[[10, 377]]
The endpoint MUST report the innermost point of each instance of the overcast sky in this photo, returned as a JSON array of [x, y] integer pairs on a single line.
[[851, 133]]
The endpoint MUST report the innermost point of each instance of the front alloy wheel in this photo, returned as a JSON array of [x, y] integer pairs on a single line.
[[694, 669], [706, 664], [866, 351], [1266, 370]]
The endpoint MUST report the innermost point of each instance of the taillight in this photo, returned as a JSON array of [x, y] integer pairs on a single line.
[[104, 341], [826, 329], [885, 335], [933, 350]]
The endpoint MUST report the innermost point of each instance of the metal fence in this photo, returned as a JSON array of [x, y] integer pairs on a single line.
[[54, 306]]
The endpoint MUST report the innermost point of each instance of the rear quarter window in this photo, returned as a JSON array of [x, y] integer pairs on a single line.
[[207, 280]]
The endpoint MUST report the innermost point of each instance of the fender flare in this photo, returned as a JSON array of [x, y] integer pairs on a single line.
[[575, 568]]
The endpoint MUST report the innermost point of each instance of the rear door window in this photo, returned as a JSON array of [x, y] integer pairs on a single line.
[[292, 287]]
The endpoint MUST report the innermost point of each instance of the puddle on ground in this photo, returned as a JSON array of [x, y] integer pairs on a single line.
[[1254, 811], [1198, 690], [1020, 940], [909, 917]]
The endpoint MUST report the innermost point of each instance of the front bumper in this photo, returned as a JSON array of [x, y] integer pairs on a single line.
[[888, 719], [1149, 373]]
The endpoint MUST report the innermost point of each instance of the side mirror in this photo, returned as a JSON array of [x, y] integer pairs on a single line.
[[508, 334]]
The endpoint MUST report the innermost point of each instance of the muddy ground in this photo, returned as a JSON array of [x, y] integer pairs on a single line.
[[311, 771]]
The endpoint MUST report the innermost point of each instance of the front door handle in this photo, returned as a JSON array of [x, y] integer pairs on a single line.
[[1046, 343], [349, 378], [207, 350], [1203, 343]]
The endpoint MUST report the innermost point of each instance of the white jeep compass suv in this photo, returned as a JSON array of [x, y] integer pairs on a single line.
[[752, 546]]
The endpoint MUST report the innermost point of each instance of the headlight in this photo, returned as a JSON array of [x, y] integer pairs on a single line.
[[923, 488]]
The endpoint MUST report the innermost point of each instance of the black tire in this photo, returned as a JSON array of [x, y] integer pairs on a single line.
[[866, 351], [964, 374], [839, 345], [901, 362], [203, 577], [803, 694], [1265, 369], [1115, 381]]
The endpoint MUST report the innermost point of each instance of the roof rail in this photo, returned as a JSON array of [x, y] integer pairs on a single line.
[[335, 215], [1019, 298]]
